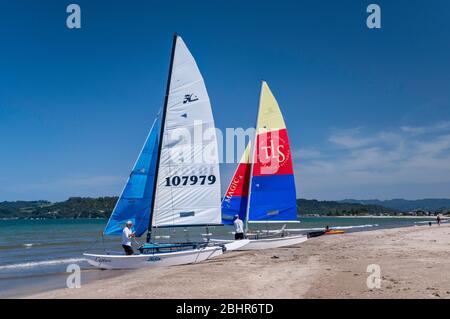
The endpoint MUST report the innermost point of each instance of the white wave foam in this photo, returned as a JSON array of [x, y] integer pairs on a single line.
[[333, 227], [357, 226], [30, 245], [431, 221], [42, 263]]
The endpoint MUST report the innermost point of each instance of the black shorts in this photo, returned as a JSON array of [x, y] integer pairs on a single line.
[[128, 250], [238, 236]]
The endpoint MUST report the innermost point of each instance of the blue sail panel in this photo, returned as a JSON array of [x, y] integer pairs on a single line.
[[273, 199], [236, 205], [135, 201]]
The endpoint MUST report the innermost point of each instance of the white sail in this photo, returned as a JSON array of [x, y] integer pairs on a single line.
[[188, 185]]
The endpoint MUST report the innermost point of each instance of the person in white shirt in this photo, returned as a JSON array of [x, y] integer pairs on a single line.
[[238, 227], [127, 234]]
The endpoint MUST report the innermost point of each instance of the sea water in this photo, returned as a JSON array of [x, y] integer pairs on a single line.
[[34, 254]]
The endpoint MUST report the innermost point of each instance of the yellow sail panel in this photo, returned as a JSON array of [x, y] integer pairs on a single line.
[[269, 116], [245, 159]]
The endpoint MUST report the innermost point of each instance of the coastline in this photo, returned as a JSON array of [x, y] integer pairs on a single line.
[[299, 216], [412, 261], [392, 216]]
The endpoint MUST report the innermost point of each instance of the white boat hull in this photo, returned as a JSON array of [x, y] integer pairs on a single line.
[[231, 245], [267, 243], [153, 260]]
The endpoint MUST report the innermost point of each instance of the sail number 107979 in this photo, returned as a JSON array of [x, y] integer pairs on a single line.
[[190, 180]]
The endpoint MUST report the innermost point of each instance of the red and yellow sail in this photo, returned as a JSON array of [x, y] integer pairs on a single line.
[[272, 196], [265, 188]]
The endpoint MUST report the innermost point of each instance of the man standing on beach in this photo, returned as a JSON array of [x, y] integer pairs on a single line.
[[438, 219], [239, 228], [127, 234]]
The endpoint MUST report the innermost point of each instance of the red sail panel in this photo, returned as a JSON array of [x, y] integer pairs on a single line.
[[273, 154]]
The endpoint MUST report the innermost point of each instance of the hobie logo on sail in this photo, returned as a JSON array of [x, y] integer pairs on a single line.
[[190, 98]]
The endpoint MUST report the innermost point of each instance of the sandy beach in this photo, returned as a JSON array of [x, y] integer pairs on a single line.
[[414, 263]]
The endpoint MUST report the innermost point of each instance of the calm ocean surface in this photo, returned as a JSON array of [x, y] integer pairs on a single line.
[[34, 254]]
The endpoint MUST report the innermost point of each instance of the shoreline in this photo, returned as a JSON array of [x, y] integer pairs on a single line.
[[299, 216], [412, 262], [392, 216], [50, 274]]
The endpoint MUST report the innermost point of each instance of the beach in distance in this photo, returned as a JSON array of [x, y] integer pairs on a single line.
[[410, 262]]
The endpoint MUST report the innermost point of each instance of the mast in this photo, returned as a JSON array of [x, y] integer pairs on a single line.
[[163, 122], [252, 152]]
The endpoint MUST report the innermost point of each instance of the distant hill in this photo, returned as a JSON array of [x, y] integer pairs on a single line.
[[403, 205], [21, 208], [331, 208], [74, 207], [80, 207]]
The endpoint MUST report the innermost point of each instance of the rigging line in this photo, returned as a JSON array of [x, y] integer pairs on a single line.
[[103, 242], [93, 244], [137, 242]]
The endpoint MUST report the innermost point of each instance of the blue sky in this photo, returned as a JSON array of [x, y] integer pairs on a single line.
[[368, 111]]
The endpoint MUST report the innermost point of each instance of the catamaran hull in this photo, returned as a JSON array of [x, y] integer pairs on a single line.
[[268, 243], [264, 243], [231, 245], [153, 260]]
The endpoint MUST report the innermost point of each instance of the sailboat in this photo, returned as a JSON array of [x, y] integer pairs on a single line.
[[175, 181], [262, 190]]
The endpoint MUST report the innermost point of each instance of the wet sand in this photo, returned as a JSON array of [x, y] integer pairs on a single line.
[[414, 263]]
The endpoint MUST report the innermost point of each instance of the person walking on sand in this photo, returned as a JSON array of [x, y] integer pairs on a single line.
[[239, 228], [127, 234], [438, 219]]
